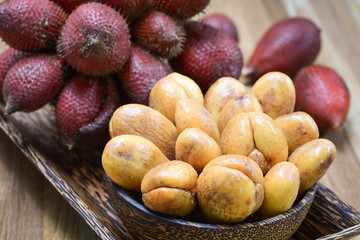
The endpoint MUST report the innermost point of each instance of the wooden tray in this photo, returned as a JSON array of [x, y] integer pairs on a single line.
[[80, 179]]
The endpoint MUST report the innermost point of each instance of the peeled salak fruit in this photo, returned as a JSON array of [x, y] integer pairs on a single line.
[[322, 93], [287, 46], [32, 82], [223, 23], [208, 54], [78, 104], [181, 9], [95, 39], [7, 59], [160, 34], [31, 25], [140, 74]]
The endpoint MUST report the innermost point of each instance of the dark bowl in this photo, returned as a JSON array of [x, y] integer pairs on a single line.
[[143, 223]]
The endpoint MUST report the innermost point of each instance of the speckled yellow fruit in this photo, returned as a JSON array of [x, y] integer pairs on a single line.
[[299, 128], [196, 147], [170, 89], [189, 114], [281, 186], [169, 188], [229, 189], [237, 137], [144, 121], [260, 159], [244, 103], [313, 159], [220, 92], [269, 138], [127, 158], [247, 131], [276, 94]]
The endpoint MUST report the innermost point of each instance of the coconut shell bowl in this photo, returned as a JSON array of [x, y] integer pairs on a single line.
[[143, 223]]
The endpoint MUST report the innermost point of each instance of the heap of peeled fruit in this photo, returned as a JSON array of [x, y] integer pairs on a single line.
[[231, 152]]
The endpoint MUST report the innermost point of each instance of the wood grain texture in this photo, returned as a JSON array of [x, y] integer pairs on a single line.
[[30, 206]]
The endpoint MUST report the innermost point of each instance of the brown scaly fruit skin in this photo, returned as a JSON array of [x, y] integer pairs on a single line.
[[287, 46], [323, 94], [95, 40], [208, 54], [223, 23], [32, 82], [130, 9], [160, 34], [182, 9], [70, 5], [31, 25], [7, 59], [78, 105], [140, 74]]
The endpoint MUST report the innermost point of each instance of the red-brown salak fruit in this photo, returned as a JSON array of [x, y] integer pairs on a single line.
[[31, 25], [223, 23], [84, 108], [70, 5], [7, 59], [287, 46], [160, 34], [182, 9], [323, 94], [95, 39], [129, 9], [140, 74], [32, 82], [208, 54]]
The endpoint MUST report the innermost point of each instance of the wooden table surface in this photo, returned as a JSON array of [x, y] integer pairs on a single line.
[[30, 208]]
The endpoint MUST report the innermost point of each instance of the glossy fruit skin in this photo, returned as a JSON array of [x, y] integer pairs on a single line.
[[276, 93], [127, 158], [95, 40], [170, 188], [190, 114], [137, 119], [181, 9], [32, 82], [31, 25], [223, 23], [281, 187], [313, 160], [208, 55], [140, 74], [221, 92], [78, 104], [160, 34], [196, 147], [287, 46], [323, 94], [169, 90], [230, 189], [299, 128], [7, 59]]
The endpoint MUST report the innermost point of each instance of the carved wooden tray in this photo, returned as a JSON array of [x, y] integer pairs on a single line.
[[79, 177]]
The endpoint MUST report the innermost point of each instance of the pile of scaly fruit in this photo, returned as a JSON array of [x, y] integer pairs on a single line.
[[232, 152], [89, 57]]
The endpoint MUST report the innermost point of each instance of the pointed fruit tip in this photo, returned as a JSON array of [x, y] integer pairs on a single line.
[[11, 107]]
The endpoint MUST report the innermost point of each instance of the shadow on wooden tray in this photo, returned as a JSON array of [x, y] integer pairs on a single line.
[[79, 178]]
